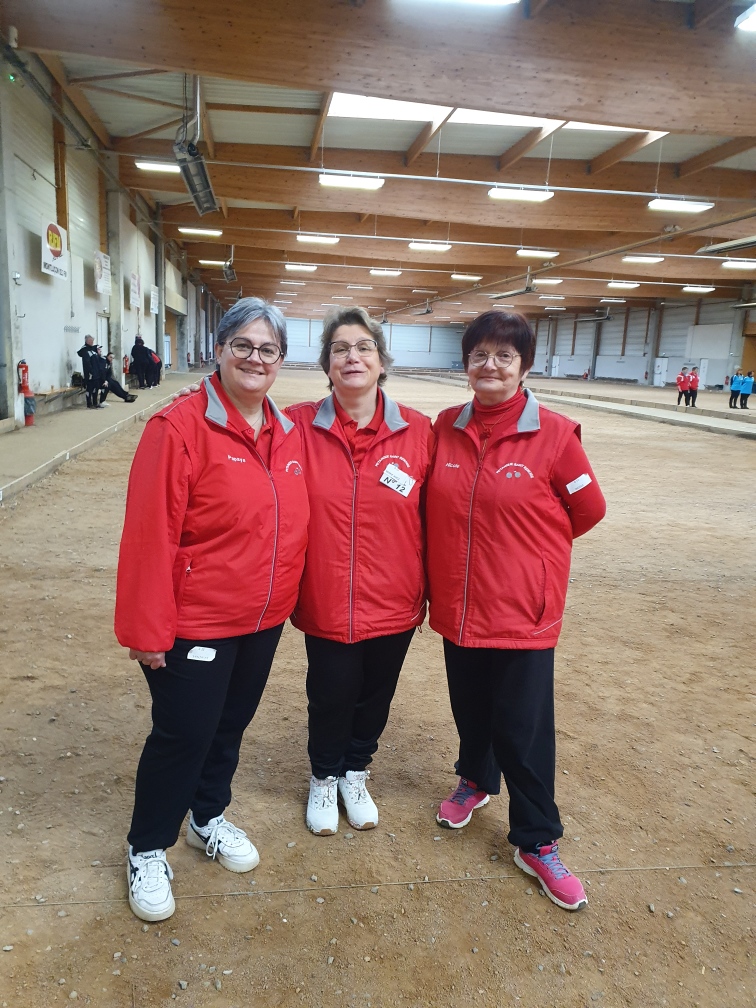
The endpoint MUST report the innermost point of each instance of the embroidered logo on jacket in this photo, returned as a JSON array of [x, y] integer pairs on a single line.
[[515, 468], [294, 466], [452, 465], [233, 458]]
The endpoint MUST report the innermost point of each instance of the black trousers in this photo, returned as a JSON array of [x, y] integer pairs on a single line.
[[116, 388], [349, 691], [200, 710], [139, 371], [734, 399], [93, 386], [744, 400], [680, 395], [693, 394], [503, 706]]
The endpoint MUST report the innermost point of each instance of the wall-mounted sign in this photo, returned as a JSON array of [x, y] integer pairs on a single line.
[[103, 284], [55, 251], [135, 292], [154, 298]]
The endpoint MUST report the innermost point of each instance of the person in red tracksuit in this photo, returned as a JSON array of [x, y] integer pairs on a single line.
[[363, 589], [510, 488], [211, 558], [683, 386], [694, 380]]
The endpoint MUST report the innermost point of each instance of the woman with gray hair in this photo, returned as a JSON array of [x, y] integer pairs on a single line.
[[363, 587], [211, 557]]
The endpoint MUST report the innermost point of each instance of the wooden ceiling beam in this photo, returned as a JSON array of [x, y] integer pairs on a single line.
[[711, 157], [207, 129], [154, 129], [260, 109], [592, 60], [317, 135], [526, 144], [536, 7], [625, 148], [706, 11], [76, 96], [114, 76], [424, 137]]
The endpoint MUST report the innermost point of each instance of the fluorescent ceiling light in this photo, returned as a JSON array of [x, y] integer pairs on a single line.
[[551, 297], [429, 246], [612, 301], [208, 232], [679, 205], [342, 297], [212, 262], [695, 289], [423, 290], [747, 20], [351, 181], [623, 284], [159, 166], [279, 301], [293, 283], [546, 281], [468, 313], [357, 287], [385, 272], [288, 293], [395, 301], [503, 306], [347, 106], [536, 254], [739, 263], [549, 308], [482, 3], [318, 239], [324, 304], [465, 276], [522, 195], [643, 260], [300, 267]]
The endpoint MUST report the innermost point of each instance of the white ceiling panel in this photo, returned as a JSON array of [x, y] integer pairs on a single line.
[[122, 116], [578, 145], [241, 93], [676, 148], [745, 161], [261, 128], [463, 138], [370, 134]]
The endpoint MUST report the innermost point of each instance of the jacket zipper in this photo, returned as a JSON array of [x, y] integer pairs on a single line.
[[275, 539], [351, 549], [484, 445]]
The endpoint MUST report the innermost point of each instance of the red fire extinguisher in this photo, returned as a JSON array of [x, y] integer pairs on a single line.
[[30, 403], [125, 363]]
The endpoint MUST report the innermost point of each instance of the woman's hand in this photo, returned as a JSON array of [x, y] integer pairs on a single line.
[[155, 659], [186, 390]]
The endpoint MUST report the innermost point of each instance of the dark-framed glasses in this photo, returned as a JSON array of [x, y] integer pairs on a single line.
[[479, 358], [268, 353], [364, 347]]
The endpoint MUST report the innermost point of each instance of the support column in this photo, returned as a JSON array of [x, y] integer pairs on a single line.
[[198, 327], [595, 347], [160, 284], [117, 210], [11, 348], [552, 343]]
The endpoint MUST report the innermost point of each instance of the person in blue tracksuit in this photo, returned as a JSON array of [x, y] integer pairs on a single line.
[[746, 388], [735, 382]]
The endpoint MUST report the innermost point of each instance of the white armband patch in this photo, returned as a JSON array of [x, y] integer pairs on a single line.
[[579, 483]]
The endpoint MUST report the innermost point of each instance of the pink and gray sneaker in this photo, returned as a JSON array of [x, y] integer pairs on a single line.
[[559, 884], [456, 810]]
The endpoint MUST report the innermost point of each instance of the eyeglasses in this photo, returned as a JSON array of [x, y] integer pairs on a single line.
[[268, 353], [364, 348], [479, 358]]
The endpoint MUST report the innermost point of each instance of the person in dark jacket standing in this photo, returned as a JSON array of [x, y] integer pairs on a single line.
[[211, 557], [510, 488], [111, 385], [140, 361], [94, 374]]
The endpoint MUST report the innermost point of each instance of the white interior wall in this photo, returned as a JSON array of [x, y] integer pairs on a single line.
[[422, 346], [137, 256]]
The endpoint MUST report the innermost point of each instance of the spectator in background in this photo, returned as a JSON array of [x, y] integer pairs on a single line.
[[111, 385], [683, 386], [694, 381], [140, 361], [745, 390], [735, 382], [154, 367], [93, 373]]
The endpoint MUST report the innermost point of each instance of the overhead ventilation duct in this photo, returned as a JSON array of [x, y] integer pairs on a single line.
[[229, 273], [428, 310], [190, 161], [728, 246]]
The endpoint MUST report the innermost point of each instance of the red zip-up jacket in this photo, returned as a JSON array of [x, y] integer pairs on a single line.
[[683, 381], [364, 574], [694, 380], [214, 539], [501, 516]]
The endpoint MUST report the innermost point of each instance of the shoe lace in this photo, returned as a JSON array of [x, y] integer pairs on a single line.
[[324, 792], [358, 788], [464, 790], [554, 863], [151, 870], [222, 831]]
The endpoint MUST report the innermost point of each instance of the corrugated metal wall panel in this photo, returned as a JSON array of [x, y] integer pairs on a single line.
[[717, 313], [447, 339], [542, 335], [410, 337], [83, 203], [298, 331], [675, 325], [611, 335], [34, 161], [636, 333], [584, 337], [564, 336]]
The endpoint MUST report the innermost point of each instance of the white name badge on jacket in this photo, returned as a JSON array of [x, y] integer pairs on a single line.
[[395, 479]]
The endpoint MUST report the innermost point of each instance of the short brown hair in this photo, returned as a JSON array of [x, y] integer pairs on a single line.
[[352, 315], [502, 329]]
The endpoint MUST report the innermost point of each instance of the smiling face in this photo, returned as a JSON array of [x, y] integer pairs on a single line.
[[248, 381], [354, 372], [492, 383]]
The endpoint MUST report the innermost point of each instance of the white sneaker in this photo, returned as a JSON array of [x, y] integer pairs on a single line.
[[322, 807], [360, 808], [149, 879], [224, 841]]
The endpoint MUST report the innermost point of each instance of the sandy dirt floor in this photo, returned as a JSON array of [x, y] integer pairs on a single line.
[[655, 733]]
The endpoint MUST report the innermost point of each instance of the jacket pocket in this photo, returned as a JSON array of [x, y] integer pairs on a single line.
[[182, 570]]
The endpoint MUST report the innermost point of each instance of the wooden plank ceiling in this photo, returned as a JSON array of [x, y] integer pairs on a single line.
[[626, 70]]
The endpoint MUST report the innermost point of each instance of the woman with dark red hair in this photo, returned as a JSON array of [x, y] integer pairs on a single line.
[[509, 490]]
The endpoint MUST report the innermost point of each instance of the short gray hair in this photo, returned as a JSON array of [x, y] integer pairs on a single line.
[[352, 315], [248, 310]]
